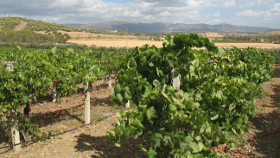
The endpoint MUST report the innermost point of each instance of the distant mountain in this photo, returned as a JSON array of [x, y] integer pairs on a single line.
[[159, 27], [104, 25]]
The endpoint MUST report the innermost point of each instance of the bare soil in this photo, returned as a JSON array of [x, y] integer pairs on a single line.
[[22, 23], [263, 140], [87, 141]]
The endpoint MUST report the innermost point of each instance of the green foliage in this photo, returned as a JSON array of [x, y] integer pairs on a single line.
[[268, 38], [8, 23], [216, 97], [65, 46], [33, 25], [36, 70], [32, 37]]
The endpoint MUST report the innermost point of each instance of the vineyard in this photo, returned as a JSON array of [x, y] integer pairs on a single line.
[[187, 102]]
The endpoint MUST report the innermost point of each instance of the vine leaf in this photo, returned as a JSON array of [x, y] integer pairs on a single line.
[[198, 155], [136, 122], [156, 82], [120, 98], [151, 113], [151, 153], [215, 117], [167, 140], [194, 147], [232, 106]]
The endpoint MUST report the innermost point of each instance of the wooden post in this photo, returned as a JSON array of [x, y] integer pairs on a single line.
[[127, 105], [15, 130], [110, 81], [54, 96], [87, 106], [126, 41], [15, 127], [176, 80]]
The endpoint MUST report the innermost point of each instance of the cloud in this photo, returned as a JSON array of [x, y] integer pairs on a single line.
[[215, 21], [175, 11], [217, 14], [265, 15], [218, 3], [275, 8], [254, 3], [164, 3], [100, 9], [249, 13]]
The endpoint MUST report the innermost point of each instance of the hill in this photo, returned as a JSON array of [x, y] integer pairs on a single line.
[[159, 27], [8, 23], [16, 29], [12, 30], [274, 32]]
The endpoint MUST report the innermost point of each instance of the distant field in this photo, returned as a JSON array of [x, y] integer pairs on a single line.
[[214, 35], [114, 43], [87, 34], [134, 43]]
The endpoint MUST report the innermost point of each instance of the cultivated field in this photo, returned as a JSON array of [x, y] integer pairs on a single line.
[[89, 141], [114, 43], [87, 34], [134, 43], [110, 40]]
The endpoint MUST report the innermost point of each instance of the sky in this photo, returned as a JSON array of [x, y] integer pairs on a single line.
[[259, 13]]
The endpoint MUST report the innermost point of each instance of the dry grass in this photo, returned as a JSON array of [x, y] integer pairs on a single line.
[[86, 34], [214, 34], [134, 43], [274, 32], [245, 45], [113, 43]]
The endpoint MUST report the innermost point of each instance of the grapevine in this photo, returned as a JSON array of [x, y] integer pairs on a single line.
[[215, 100]]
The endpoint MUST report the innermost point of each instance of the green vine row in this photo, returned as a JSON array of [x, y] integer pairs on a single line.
[[39, 71], [216, 98]]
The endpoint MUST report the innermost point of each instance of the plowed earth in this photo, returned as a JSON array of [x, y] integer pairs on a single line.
[[263, 140]]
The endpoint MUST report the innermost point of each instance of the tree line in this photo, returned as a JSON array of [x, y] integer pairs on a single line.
[[253, 38], [32, 37]]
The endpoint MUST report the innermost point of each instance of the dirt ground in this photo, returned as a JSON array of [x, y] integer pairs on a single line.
[[263, 140], [22, 23], [134, 43], [87, 141]]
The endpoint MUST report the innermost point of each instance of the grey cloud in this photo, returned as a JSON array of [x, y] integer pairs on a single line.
[[88, 11], [164, 3]]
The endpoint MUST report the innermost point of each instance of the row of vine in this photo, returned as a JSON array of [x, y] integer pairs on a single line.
[[216, 97]]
